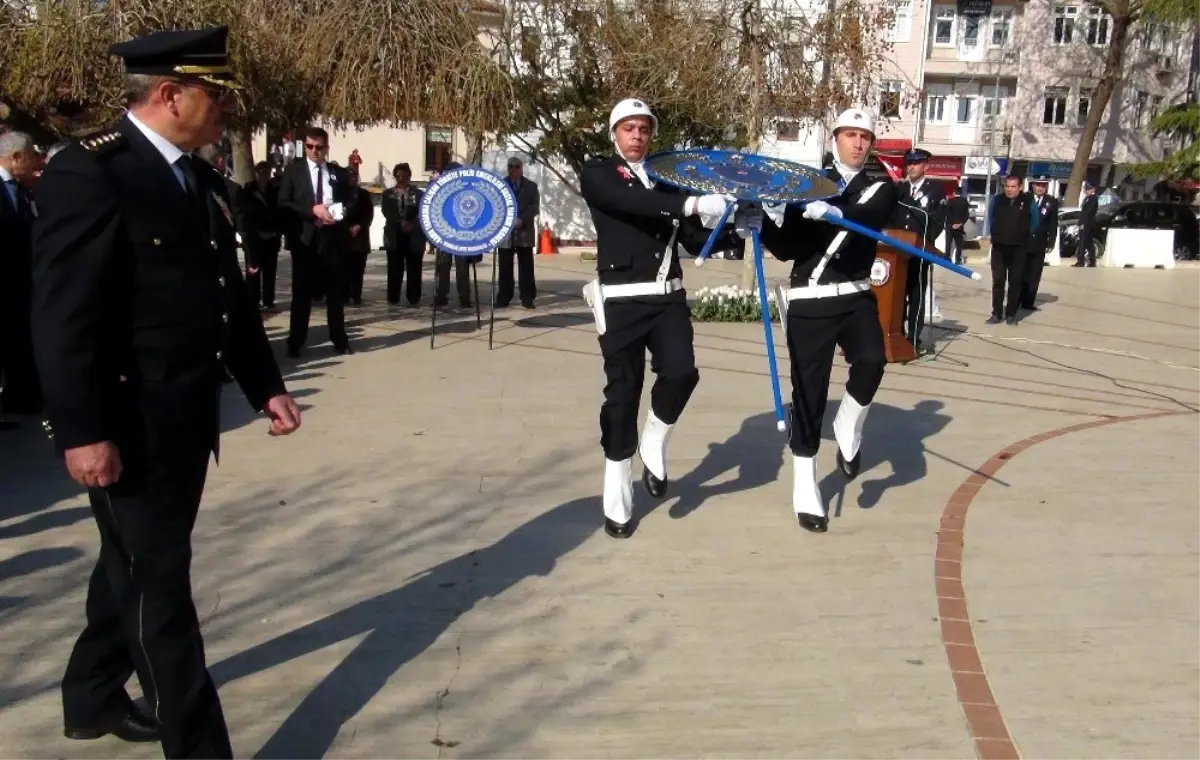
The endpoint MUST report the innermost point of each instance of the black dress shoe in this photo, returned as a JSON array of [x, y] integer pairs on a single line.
[[1010, 320], [993, 320], [814, 523], [344, 349], [1031, 307], [618, 530], [850, 467], [657, 488], [132, 726], [293, 353]]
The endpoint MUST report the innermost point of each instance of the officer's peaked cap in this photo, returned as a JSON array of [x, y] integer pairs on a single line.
[[195, 53], [917, 156]]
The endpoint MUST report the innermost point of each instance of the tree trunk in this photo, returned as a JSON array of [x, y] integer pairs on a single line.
[[754, 121], [243, 155], [1114, 61]]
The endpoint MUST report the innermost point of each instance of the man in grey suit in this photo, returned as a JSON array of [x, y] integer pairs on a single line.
[[521, 240]]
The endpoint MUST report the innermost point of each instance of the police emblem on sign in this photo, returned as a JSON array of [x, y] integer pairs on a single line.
[[467, 211], [881, 272]]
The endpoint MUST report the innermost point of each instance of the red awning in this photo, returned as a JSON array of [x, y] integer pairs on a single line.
[[893, 145], [944, 167]]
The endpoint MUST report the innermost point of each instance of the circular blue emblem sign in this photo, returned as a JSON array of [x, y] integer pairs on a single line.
[[468, 211], [745, 176]]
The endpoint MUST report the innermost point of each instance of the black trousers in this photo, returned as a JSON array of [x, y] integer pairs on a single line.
[[632, 327], [811, 341], [1035, 262], [401, 261], [1086, 249], [957, 240], [914, 299], [318, 269], [140, 613], [262, 282], [1008, 272], [526, 282], [462, 277], [356, 270], [22, 392]]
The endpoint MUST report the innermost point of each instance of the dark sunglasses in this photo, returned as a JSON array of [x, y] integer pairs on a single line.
[[310, 146]]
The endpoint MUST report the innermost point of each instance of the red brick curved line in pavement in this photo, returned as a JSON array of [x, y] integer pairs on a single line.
[[984, 720]]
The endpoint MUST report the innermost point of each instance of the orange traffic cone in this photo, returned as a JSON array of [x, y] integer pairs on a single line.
[[545, 241]]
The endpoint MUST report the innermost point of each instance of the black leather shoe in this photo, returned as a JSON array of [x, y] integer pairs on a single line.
[[657, 488], [993, 320], [293, 353], [344, 349], [1031, 307], [1010, 320], [132, 726], [814, 523], [850, 467], [618, 530]]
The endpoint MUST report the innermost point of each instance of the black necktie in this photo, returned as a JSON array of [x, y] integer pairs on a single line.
[[189, 177], [320, 184]]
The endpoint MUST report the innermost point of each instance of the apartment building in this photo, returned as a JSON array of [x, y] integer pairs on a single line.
[[1006, 86]]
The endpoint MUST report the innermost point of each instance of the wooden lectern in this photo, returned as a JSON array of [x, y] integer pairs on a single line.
[[889, 275]]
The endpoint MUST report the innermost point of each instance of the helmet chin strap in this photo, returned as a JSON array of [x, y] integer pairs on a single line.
[[848, 173], [613, 136]]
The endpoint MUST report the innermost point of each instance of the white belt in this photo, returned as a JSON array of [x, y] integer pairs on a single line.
[[828, 291], [641, 289]]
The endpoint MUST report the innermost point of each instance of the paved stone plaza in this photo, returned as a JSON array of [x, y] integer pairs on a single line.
[[421, 571]]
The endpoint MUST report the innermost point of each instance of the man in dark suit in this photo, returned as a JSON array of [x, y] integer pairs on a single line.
[[920, 208], [1043, 235], [521, 242], [362, 213], [138, 307], [402, 236], [19, 164], [316, 200], [958, 213], [262, 233], [1085, 253], [639, 304]]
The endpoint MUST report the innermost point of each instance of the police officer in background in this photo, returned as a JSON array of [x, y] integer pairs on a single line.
[[1043, 235], [958, 213], [921, 208], [138, 307], [639, 304], [830, 302]]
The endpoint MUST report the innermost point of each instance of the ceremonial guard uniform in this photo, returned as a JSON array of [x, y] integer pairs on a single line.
[[639, 304], [829, 302], [921, 208], [138, 307]]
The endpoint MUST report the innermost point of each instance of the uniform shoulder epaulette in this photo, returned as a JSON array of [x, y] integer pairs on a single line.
[[103, 142], [595, 161]]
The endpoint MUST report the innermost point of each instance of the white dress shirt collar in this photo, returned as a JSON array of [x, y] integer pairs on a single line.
[[170, 152]]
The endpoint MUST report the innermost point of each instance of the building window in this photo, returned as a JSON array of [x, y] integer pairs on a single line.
[[1064, 23], [943, 26], [1156, 103], [438, 145], [935, 108], [964, 109], [1139, 108], [1055, 109], [1084, 107], [901, 24], [1098, 23], [971, 28], [993, 103], [1001, 26], [787, 130], [889, 98]]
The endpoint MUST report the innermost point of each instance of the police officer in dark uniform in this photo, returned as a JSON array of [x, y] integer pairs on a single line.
[[138, 307], [829, 302], [1043, 235], [639, 304], [921, 208]]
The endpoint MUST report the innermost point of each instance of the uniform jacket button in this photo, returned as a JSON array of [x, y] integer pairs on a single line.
[[157, 241], [221, 281], [214, 244], [218, 356]]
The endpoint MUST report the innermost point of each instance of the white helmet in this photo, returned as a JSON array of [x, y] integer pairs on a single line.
[[857, 118], [631, 107]]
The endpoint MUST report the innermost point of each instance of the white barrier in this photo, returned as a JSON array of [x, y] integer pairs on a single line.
[[1147, 249]]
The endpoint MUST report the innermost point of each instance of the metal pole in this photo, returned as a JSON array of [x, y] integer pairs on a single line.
[[987, 193]]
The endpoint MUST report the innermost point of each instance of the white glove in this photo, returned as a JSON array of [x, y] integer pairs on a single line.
[[747, 219], [821, 209], [775, 213], [708, 205]]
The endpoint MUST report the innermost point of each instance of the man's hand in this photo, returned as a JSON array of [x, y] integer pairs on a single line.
[[252, 270], [519, 223], [746, 219], [96, 465], [284, 414], [354, 230], [407, 226], [322, 215], [820, 210], [956, 226]]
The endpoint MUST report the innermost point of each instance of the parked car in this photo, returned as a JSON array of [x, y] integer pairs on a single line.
[[1143, 215]]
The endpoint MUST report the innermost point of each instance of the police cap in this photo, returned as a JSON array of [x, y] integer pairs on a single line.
[[196, 53], [917, 156]]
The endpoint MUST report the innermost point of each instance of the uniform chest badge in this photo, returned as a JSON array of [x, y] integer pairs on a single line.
[[224, 208], [924, 201], [881, 272]]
